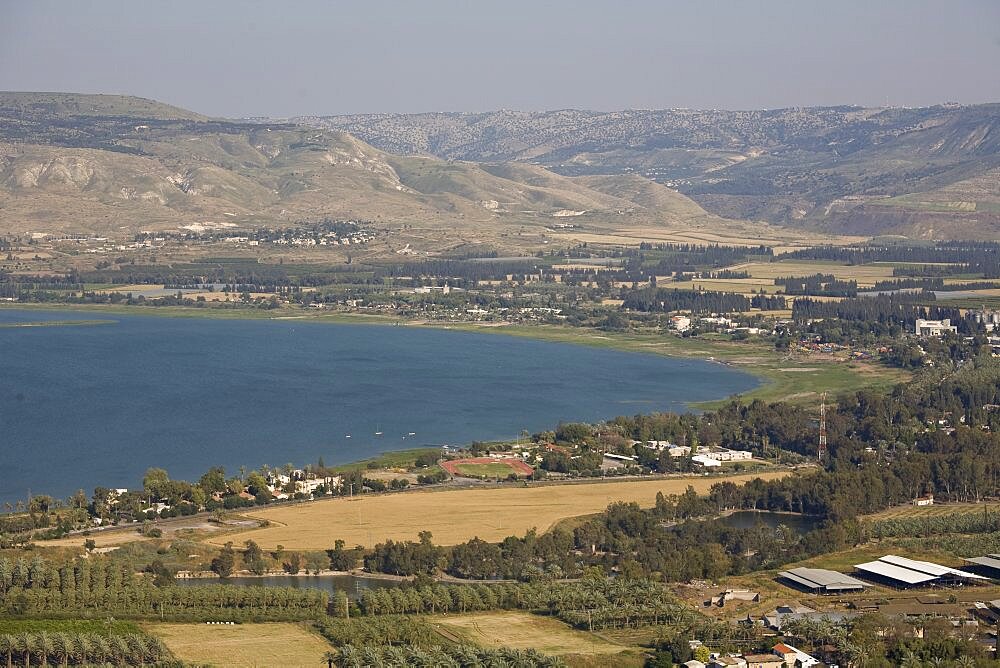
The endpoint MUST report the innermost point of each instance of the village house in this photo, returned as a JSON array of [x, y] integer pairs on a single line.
[[764, 661], [726, 455], [613, 461], [728, 662], [705, 461], [793, 656], [934, 328], [681, 323]]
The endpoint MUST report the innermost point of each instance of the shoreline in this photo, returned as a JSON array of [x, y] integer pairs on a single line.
[[758, 361], [663, 345], [819, 373]]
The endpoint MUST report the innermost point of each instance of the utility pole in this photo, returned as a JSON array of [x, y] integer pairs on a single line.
[[821, 451]]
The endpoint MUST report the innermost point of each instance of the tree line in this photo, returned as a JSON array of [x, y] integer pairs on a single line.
[[61, 648], [697, 301], [98, 587]]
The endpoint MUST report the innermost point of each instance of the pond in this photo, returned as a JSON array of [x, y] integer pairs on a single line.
[[745, 519]]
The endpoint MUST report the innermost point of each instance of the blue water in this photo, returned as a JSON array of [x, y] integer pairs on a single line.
[[82, 406]]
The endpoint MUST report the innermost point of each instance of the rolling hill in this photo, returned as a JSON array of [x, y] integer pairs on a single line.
[[838, 169], [114, 166]]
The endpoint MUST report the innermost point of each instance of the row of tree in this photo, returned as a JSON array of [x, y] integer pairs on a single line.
[[86, 587], [80, 649], [445, 656], [697, 301]]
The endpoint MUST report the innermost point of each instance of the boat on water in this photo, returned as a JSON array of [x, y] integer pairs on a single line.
[[347, 436], [411, 433]]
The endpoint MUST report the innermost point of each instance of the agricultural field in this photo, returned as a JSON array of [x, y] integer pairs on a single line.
[[734, 233], [522, 630], [456, 515], [937, 510], [242, 645], [745, 286], [866, 275], [486, 467]]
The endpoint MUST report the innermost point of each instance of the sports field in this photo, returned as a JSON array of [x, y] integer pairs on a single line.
[[486, 467], [242, 645], [455, 515], [522, 630]]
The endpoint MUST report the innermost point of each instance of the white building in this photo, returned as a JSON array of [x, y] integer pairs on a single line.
[[727, 455], [707, 462], [681, 323], [311, 485], [934, 327], [659, 446], [989, 319]]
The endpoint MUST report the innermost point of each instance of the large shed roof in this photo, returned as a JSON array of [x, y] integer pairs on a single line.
[[821, 578], [928, 567], [893, 572], [990, 561], [912, 571]]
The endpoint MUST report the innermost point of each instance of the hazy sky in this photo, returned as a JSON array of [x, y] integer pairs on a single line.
[[286, 58]]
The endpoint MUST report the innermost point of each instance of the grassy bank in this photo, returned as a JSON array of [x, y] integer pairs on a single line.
[[403, 459]]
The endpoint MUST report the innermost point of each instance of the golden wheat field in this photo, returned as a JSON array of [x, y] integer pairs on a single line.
[[242, 645], [522, 630], [456, 515]]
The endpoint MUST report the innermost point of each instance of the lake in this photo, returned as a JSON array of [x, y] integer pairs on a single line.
[[745, 519], [86, 405]]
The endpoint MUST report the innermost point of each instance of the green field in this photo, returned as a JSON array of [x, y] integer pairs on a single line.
[[796, 379], [497, 470], [401, 459]]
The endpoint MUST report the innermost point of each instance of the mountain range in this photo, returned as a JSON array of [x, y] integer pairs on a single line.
[[116, 165], [929, 172], [104, 164]]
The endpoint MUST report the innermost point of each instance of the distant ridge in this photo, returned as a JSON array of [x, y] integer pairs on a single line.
[[86, 104], [912, 171], [115, 165]]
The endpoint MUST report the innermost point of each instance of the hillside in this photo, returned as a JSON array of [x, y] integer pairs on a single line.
[[109, 165], [826, 168]]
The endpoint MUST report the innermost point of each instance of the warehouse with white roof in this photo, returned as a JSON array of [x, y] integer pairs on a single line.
[[901, 572], [822, 581], [990, 564]]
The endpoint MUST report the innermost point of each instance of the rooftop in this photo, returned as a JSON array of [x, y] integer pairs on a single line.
[[912, 571], [820, 578]]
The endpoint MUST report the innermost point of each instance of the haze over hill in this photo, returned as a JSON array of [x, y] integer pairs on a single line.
[[924, 172], [117, 164], [111, 164]]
